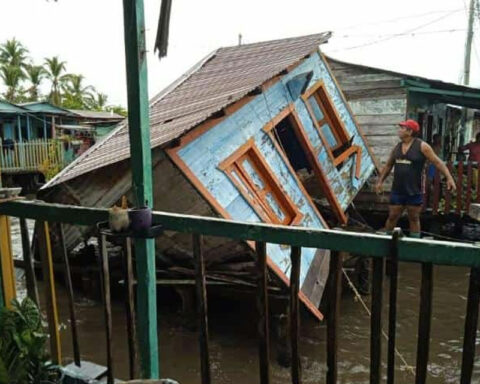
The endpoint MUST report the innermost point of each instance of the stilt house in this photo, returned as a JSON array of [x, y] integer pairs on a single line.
[[254, 133]]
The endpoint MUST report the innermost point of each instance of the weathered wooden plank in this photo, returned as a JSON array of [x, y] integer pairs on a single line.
[[333, 315], [448, 193], [294, 313], [202, 311], [387, 93], [471, 325], [262, 307], [392, 307], [6, 262], [130, 307], [379, 106], [380, 130], [468, 198], [71, 299], [355, 85], [459, 207], [376, 322], [375, 119], [32, 288], [424, 323], [45, 250], [107, 305], [141, 164]]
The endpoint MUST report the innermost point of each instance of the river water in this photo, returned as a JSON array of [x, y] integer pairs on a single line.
[[234, 345]]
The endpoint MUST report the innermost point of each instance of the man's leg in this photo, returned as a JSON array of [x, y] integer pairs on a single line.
[[414, 219], [394, 213]]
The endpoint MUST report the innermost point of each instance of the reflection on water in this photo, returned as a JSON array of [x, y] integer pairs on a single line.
[[234, 343]]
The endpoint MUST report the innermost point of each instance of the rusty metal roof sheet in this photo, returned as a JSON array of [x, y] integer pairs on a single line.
[[223, 77]]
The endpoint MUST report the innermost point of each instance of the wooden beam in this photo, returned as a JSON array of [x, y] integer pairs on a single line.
[[141, 161], [6, 262], [416, 250], [45, 250]]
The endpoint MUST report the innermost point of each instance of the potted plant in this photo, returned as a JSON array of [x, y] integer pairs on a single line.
[[23, 356]]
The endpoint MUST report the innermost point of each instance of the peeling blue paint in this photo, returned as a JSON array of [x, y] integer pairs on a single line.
[[204, 154]]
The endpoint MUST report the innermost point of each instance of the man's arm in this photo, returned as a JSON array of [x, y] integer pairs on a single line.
[[439, 164], [385, 172]]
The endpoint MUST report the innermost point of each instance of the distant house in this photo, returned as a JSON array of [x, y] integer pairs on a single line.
[[253, 133], [31, 133], [380, 99]]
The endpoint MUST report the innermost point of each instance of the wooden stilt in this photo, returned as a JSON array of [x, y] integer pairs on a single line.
[[6, 262], [32, 288], [45, 250]]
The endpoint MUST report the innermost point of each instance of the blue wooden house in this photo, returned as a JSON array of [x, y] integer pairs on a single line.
[[257, 133], [32, 132]]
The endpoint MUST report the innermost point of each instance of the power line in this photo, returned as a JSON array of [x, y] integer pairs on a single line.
[[409, 31], [401, 34], [399, 18]]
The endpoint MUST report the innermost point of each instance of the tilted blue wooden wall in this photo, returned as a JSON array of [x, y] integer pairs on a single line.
[[204, 154]]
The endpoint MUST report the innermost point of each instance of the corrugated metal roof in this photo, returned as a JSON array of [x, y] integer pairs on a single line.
[[45, 107], [103, 115], [216, 81], [7, 107]]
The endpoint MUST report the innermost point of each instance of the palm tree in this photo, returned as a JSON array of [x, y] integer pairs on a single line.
[[12, 77], [13, 53], [76, 94], [34, 74], [55, 70], [98, 102]]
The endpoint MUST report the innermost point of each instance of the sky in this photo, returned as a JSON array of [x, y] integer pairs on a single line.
[[425, 38]]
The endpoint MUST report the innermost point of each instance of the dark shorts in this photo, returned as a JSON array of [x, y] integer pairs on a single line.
[[401, 199]]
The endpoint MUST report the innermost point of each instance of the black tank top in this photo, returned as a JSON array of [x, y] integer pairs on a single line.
[[409, 167]]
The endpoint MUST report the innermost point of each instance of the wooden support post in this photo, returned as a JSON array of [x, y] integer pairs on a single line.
[[333, 314], [459, 188], [448, 193], [71, 298], [6, 262], [202, 311], [392, 307], [141, 163], [295, 258], [262, 307], [32, 289], [424, 323], [471, 324], [45, 250], [376, 321], [468, 198], [130, 307], [107, 305]]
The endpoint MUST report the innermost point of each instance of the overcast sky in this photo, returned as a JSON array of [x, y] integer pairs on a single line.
[[88, 34]]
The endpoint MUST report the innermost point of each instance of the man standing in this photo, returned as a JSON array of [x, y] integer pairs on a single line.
[[409, 157], [473, 149]]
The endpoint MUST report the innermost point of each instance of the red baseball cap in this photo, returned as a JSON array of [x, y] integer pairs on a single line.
[[410, 124]]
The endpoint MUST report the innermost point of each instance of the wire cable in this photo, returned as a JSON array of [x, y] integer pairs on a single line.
[[398, 34]]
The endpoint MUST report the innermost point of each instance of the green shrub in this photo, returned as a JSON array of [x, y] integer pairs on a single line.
[[23, 355]]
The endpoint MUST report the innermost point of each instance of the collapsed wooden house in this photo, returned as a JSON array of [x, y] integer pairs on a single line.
[[251, 133], [381, 98]]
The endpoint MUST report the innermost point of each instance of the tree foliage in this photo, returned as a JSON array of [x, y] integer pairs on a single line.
[[23, 356], [23, 81]]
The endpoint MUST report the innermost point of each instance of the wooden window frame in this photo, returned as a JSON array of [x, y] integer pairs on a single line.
[[251, 152], [330, 117]]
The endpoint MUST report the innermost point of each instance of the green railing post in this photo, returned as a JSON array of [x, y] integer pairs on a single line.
[[141, 163]]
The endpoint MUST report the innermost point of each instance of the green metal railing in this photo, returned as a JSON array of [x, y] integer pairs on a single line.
[[380, 248]]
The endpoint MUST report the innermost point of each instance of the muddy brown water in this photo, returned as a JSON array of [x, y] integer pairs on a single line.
[[234, 345]]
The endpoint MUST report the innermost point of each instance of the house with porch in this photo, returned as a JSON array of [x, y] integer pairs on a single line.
[[381, 98], [254, 133], [33, 133]]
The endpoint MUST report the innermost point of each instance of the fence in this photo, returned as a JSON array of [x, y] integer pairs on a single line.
[[393, 248], [441, 201], [30, 156]]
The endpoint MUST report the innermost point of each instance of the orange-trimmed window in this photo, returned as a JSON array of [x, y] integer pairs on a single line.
[[326, 119], [250, 173]]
